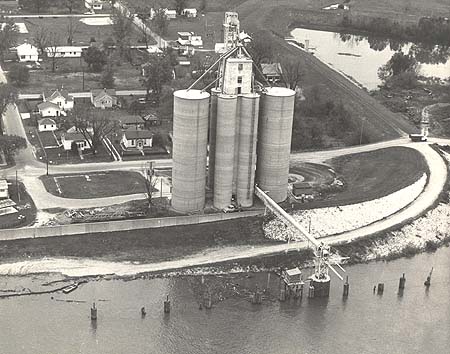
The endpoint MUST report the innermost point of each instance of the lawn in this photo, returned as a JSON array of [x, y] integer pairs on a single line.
[[95, 185], [371, 175]]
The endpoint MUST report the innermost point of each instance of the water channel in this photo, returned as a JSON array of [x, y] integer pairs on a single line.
[[416, 322], [360, 57]]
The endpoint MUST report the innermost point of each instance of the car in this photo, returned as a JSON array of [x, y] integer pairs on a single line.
[[231, 209]]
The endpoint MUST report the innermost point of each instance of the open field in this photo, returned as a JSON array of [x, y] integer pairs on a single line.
[[94, 185], [370, 176], [150, 245]]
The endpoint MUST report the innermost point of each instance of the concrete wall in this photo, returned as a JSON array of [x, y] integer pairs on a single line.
[[121, 225]]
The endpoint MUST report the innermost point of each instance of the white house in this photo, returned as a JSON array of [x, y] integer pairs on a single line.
[[46, 125], [189, 12], [48, 109], [60, 98], [170, 14], [27, 52], [64, 52], [137, 139], [189, 39], [105, 98], [70, 138], [94, 4]]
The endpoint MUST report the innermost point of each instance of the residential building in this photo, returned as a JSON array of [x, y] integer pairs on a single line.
[[65, 51], [27, 52], [104, 98], [170, 14], [4, 193], [69, 139], [137, 139], [61, 97], [131, 122], [94, 4], [47, 125], [191, 13], [49, 109], [189, 39]]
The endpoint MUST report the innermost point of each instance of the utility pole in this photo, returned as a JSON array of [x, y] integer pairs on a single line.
[[362, 127], [17, 187]]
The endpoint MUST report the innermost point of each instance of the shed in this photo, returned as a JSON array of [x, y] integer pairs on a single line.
[[272, 71], [292, 276], [46, 125]]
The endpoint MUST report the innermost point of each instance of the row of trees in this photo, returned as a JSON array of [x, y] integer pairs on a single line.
[[40, 6]]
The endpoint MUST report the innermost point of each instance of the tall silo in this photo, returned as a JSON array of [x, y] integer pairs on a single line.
[[248, 131], [225, 148], [212, 136], [274, 141], [190, 136]]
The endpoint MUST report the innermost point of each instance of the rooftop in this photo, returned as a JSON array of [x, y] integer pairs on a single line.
[[138, 134]]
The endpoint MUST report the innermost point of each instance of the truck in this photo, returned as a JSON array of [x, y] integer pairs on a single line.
[[417, 137]]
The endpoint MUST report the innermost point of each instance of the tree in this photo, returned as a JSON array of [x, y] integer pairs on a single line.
[[260, 48], [143, 15], [8, 95], [398, 64], [9, 144], [180, 5], [291, 71], [202, 6], [34, 5], [72, 5], [93, 124], [122, 26], [94, 58], [41, 40], [9, 34], [157, 72], [19, 74], [72, 29], [159, 22], [107, 79], [52, 49]]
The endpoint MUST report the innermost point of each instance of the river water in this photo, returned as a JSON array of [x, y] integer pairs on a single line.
[[417, 322], [360, 57]]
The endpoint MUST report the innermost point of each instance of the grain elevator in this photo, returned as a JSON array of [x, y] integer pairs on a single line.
[[243, 132]]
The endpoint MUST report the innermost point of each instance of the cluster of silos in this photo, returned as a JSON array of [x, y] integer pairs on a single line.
[[190, 139], [249, 137]]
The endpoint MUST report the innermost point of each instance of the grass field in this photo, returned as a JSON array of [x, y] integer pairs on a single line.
[[95, 185], [371, 175]]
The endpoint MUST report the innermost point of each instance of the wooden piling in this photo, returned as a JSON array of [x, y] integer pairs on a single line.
[[401, 283], [380, 288], [167, 305], [282, 295], [93, 312], [143, 312], [427, 282], [346, 288], [311, 292], [207, 301]]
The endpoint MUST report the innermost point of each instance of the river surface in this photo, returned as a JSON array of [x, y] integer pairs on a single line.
[[360, 57], [417, 322]]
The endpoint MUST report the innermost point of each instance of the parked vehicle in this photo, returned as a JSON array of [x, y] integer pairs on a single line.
[[417, 137], [231, 209]]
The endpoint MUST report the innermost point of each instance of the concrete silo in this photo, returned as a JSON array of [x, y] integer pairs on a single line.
[[248, 132], [190, 135], [212, 136], [274, 141], [225, 149]]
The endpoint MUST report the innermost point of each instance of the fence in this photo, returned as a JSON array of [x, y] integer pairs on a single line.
[[120, 225]]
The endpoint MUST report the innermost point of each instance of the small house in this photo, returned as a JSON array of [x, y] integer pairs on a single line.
[[60, 98], [70, 139], [189, 39], [46, 125], [190, 13], [49, 109], [137, 139], [170, 14], [151, 119], [94, 4], [272, 72], [131, 122], [27, 52], [4, 193], [105, 98]]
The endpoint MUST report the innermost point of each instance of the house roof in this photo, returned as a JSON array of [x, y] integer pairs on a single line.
[[293, 271], [45, 105], [60, 93], [64, 49], [75, 136], [271, 69], [131, 120], [46, 121], [138, 134], [27, 49], [100, 93], [150, 117]]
